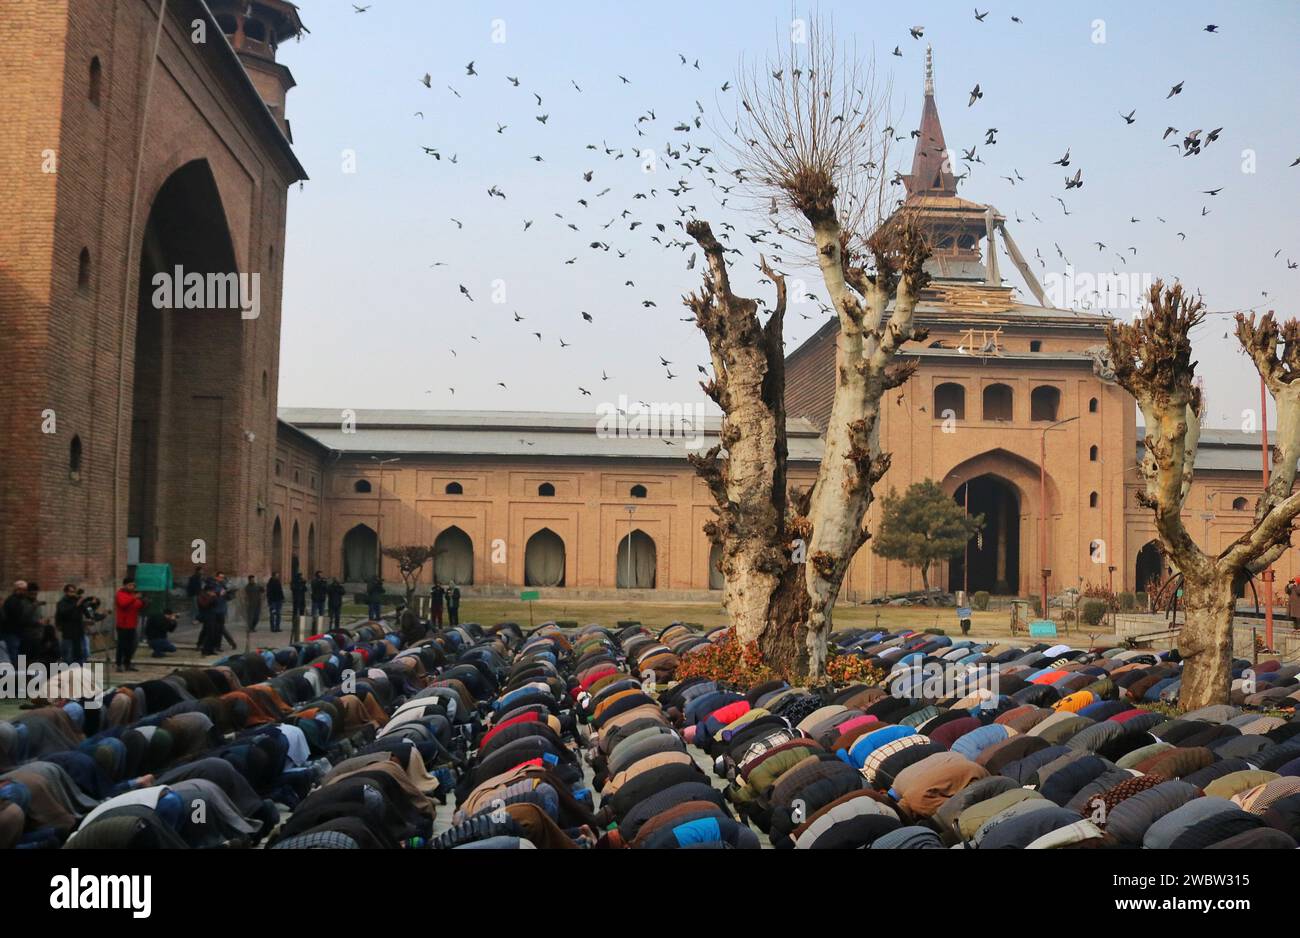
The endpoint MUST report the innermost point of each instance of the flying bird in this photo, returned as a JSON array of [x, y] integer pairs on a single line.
[[1128, 118], [975, 95], [1176, 89], [469, 69]]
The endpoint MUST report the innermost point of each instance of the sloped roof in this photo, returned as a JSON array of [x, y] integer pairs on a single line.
[[534, 434]]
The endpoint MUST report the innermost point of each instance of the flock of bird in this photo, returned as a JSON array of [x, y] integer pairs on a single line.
[[656, 215]]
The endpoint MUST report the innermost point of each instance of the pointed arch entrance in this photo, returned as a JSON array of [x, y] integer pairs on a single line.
[[189, 372], [1005, 488], [993, 553], [544, 559], [453, 560], [360, 553], [637, 561], [1150, 566], [277, 545]]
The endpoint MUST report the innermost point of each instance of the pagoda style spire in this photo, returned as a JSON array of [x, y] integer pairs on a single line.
[[931, 173]]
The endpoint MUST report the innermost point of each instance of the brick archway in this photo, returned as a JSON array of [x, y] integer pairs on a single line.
[[1022, 477], [188, 447]]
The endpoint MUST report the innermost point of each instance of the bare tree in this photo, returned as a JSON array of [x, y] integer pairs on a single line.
[[410, 562], [811, 144], [1153, 362]]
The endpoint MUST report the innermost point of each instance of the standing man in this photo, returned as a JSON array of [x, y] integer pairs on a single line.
[[319, 589], [375, 598], [126, 607], [453, 605], [70, 618], [194, 586], [253, 602], [336, 592], [14, 615], [298, 590], [274, 600], [209, 632], [223, 609], [435, 604]]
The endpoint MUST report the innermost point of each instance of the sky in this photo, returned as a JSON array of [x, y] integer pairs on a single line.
[[370, 321]]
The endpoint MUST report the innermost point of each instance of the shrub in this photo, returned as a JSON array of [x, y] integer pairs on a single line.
[[724, 660], [852, 669], [1103, 594], [1092, 611], [1128, 602], [980, 600]]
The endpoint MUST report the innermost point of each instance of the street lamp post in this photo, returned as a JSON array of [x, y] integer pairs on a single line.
[[379, 515], [631, 510], [1042, 507]]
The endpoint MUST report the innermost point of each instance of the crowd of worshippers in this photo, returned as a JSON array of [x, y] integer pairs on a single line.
[[585, 738]]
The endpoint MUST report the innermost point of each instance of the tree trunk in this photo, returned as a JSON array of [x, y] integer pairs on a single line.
[[925, 577], [1205, 642]]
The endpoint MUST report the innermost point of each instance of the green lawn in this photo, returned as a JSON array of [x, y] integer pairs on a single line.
[[656, 615]]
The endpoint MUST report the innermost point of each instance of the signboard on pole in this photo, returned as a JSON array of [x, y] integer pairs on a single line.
[[1042, 628]]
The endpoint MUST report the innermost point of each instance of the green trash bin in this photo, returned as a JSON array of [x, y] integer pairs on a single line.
[[154, 581]]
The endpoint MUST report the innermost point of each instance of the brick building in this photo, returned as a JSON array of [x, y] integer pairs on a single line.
[[142, 136]]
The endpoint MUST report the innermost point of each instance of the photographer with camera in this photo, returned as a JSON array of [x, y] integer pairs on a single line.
[[75, 610], [126, 608]]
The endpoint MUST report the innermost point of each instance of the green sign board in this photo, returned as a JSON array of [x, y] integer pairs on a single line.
[[530, 595], [1042, 628]]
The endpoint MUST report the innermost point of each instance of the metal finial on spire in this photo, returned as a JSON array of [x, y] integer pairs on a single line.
[[929, 70]]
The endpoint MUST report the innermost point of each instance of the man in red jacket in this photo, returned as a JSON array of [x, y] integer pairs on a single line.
[[127, 605]]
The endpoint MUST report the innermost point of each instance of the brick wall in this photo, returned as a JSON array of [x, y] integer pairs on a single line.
[[71, 347]]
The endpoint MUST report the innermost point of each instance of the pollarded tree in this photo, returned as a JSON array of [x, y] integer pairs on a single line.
[[812, 144], [1153, 362], [923, 526], [411, 559]]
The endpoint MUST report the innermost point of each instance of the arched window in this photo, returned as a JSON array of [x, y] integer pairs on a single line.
[[1092, 405], [949, 397], [96, 81], [83, 271], [546, 489], [74, 458], [638, 491], [1044, 402], [454, 488], [1092, 454], [1092, 500], [1239, 504], [997, 402], [361, 485]]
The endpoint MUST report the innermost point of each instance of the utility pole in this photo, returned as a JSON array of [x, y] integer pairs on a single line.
[[379, 516], [631, 510]]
